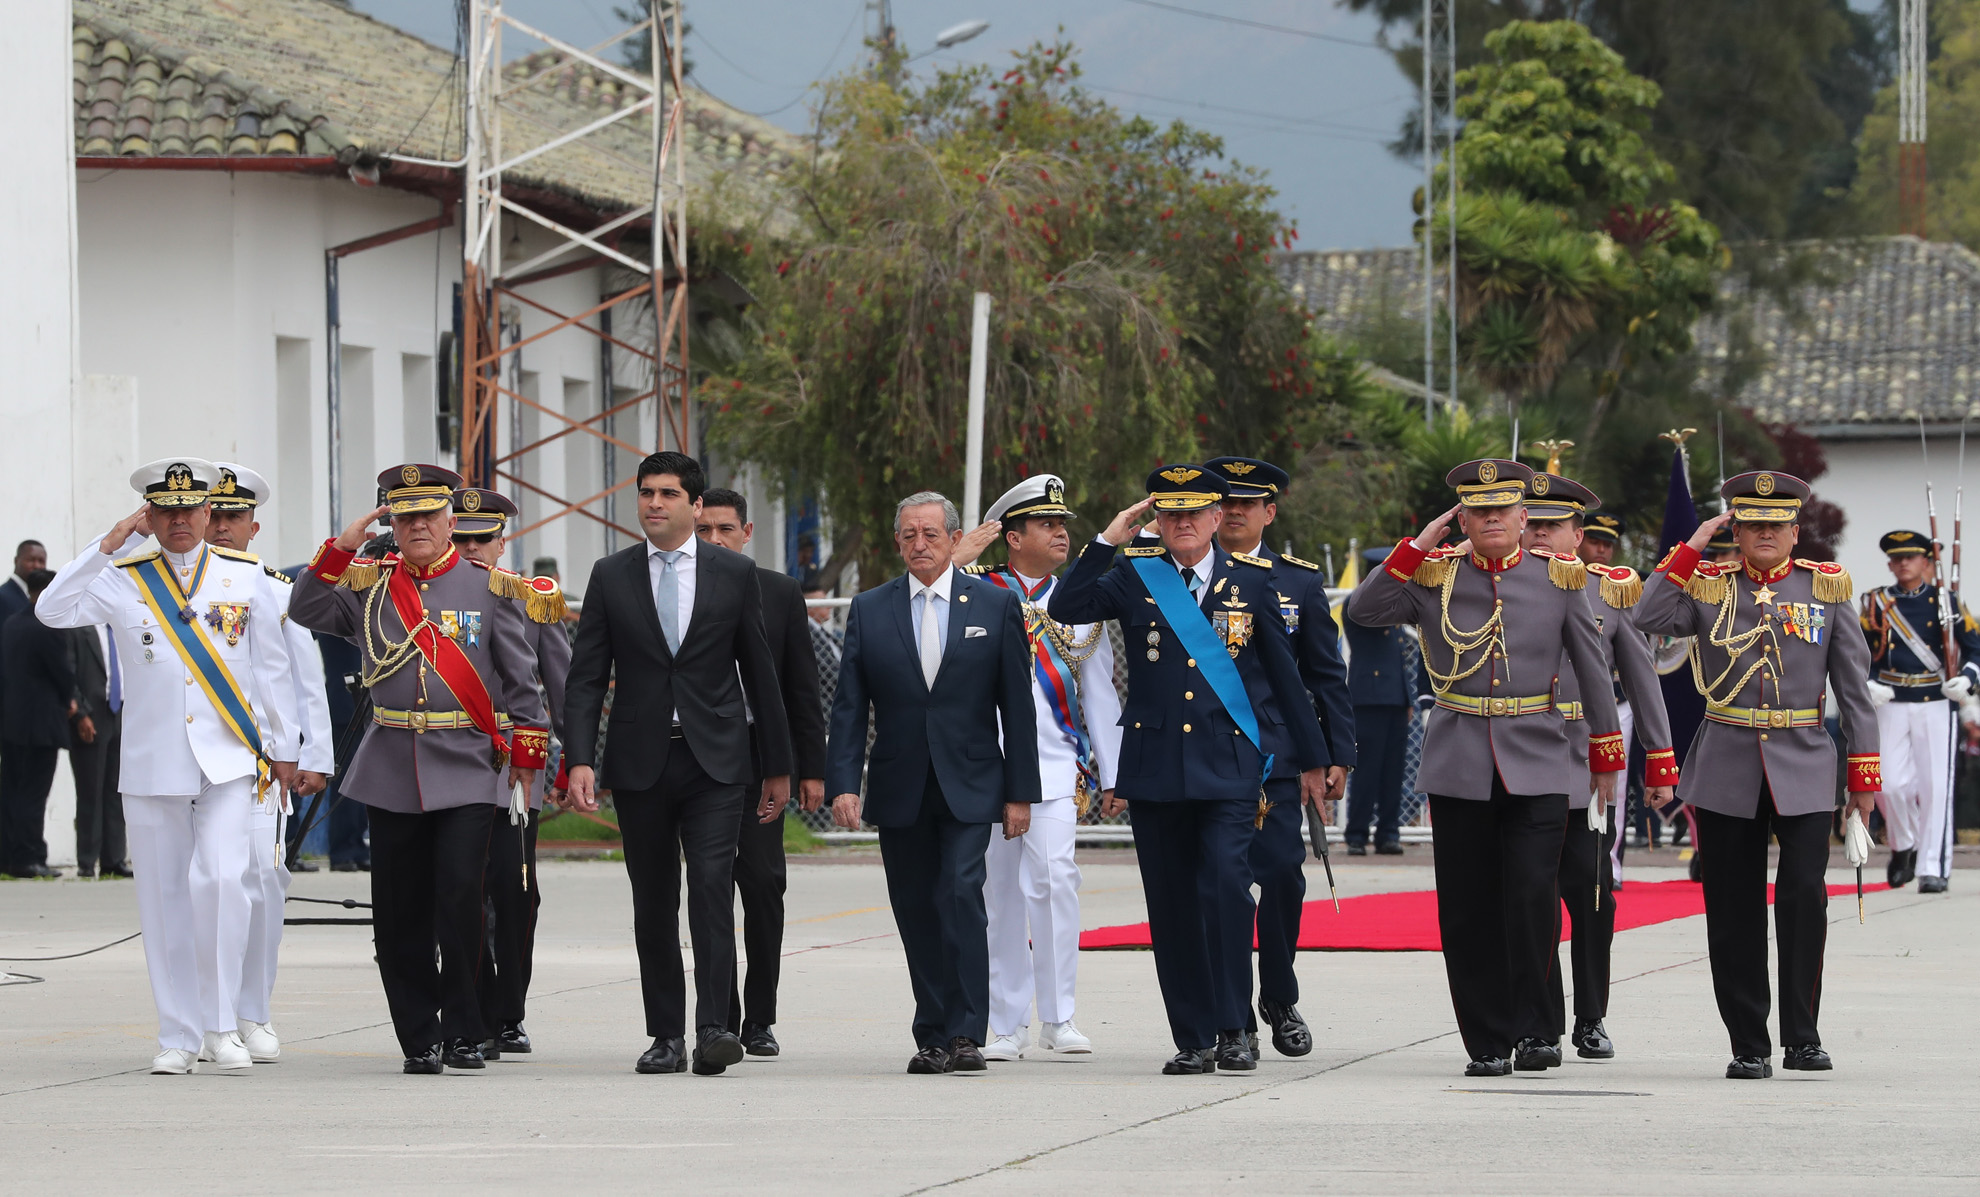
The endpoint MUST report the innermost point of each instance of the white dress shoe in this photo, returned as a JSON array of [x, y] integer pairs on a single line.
[[1007, 1047], [174, 1061], [263, 1047], [1064, 1037], [225, 1049]]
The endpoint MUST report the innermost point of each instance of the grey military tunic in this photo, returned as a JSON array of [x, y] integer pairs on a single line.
[[1543, 625], [1795, 635], [1630, 662], [397, 768]]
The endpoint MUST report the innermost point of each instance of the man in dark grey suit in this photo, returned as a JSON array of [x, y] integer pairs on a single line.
[[95, 750], [942, 657], [38, 696]]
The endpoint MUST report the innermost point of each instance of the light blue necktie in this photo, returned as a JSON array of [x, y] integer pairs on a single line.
[[667, 598]]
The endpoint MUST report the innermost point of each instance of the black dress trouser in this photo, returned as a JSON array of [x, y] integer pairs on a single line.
[[760, 881], [426, 872], [509, 946], [687, 814], [1584, 864], [99, 803], [1278, 866], [1735, 874], [27, 771], [1499, 912], [1381, 741], [935, 872]]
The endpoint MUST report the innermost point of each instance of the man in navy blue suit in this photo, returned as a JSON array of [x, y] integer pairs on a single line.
[[1385, 688], [943, 660], [1213, 693]]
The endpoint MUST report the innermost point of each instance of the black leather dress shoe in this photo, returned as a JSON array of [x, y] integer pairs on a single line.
[[1932, 885], [1233, 1053], [931, 1061], [303, 866], [512, 1040], [715, 1048], [1251, 1044], [1191, 1061], [1389, 848], [1536, 1055], [1489, 1066], [344, 866], [1749, 1068], [123, 871], [758, 1041], [491, 1049], [1696, 869], [1357, 849], [965, 1055], [1591, 1041], [666, 1055], [426, 1063], [1290, 1034], [463, 1053], [1806, 1057]]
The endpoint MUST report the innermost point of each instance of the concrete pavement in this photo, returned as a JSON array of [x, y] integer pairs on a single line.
[[1380, 1106]]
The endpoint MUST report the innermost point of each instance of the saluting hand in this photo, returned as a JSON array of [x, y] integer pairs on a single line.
[[974, 541], [1705, 530], [136, 523], [355, 533], [1122, 529], [1434, 530]]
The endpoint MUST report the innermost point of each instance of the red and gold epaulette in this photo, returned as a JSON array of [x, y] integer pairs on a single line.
[[1832, 582], [542, 598], [1436, 566], [337, 567], [1621, 585], [1565, 570]]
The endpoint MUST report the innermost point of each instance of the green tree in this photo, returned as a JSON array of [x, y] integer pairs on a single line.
[[1952, 82], [1136, 318], [1762, 99]]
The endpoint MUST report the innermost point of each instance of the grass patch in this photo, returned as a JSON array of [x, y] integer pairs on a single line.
[[563, 825], [799, 839]]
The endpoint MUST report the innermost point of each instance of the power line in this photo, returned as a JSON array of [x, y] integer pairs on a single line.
[[1229, 20], [859, 10], [1282, 117]]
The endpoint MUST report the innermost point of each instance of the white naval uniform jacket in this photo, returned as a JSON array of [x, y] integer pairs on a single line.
[[1100, 703], [319, 738], [174, 741]]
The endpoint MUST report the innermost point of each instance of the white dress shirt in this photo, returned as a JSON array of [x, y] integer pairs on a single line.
[[683, 580], [942, 587], [1202, 569]]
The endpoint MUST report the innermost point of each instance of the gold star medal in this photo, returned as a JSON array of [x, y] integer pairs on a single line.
[[1764, 596]]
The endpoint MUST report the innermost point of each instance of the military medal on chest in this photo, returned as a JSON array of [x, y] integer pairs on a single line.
[[1232, 623]]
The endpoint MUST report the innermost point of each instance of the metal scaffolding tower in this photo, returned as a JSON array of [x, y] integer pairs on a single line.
[[1440, 192], [491, 286], [1912, 32]]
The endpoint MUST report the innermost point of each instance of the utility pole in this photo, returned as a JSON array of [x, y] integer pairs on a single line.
[[1912, 33], [1439, 191]]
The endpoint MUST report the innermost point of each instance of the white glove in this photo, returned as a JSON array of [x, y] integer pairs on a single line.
[[518, 805], [1598, 816], [1880, 694], [1956, 687], [1856, 839]]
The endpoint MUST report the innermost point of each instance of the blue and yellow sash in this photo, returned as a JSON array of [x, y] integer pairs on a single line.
[[1200, 640], [172, 606], [1055, 679]]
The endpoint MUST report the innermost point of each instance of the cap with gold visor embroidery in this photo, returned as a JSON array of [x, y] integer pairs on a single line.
[[1904, 544], [1552, 497], [1765, 497], [412, 488], [1490, 482], [176, 481], [1039, 495], [1185, 487], [479, 511], [239, 488]]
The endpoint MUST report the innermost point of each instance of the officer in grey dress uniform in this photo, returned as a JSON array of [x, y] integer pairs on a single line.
[[1555, 509], [446, 657], [1772, 635], [1496, 620]]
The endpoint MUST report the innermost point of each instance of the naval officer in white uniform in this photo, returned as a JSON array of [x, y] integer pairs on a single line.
[[236, 500], [1031, 883], [209, 709]]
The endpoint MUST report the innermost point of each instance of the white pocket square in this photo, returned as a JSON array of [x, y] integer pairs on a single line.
[[971, 632]]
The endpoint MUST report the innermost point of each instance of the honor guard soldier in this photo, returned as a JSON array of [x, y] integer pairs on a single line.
[[1031, 888], [1771, 637], [1601, 536], [1278, 850], [1916, 725], [512, 888], [210, 734], [1497, 622], [232, 525], [1555, 510], [1214, 695], [446, 657]]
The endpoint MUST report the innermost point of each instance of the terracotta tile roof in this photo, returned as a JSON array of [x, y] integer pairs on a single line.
[[286, 78], [1898, 336]]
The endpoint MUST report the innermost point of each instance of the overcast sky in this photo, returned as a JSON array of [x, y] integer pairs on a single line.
[[1316, 114]]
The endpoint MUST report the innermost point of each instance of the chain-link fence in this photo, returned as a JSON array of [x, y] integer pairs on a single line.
[[827, 639]]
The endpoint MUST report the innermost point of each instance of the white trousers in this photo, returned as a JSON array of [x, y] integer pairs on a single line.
[[267, 884], [190, 852], [1031, 893], [1915, 739]]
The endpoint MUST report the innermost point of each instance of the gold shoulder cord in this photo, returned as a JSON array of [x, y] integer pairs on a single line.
[[391, 657], [1735, 646], [1484, 639]]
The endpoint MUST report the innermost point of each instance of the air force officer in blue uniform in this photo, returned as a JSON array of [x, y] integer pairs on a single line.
[[942, 657], [1191, 763]]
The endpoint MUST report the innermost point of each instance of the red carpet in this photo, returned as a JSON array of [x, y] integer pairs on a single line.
[[1407, 922]]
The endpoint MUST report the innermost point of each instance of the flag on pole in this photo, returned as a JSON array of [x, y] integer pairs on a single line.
[[1682, 701]]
